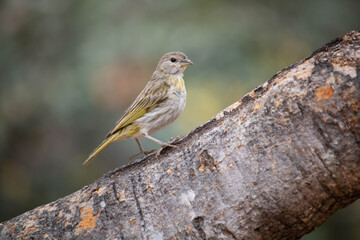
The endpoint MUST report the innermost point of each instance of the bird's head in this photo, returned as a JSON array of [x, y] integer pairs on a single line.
[[173, 63]]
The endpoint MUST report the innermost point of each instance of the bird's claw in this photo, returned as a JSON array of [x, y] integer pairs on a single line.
[[143, 152], [168, 145], [149, 152], [135, 155], [158, 152]]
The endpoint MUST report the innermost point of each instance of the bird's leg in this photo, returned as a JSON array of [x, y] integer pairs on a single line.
[[160, 143], [141, 150], [139, 145]]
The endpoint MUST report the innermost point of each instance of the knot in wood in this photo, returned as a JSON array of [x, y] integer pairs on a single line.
[[198, 222]]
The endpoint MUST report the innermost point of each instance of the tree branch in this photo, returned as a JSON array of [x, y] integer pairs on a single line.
[[273, 165]]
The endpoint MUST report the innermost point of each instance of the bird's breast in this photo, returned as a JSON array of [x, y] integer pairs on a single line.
[[177, 94], [168, 111]]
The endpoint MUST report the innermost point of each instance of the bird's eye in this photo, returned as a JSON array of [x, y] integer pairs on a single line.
[[173, 59]]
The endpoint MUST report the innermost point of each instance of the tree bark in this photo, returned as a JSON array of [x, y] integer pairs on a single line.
[[273, 165]]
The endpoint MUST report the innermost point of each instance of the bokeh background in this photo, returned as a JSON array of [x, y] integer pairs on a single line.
[[68, 69]]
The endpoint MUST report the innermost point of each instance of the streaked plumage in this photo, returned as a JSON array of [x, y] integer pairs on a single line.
[[159, 104]]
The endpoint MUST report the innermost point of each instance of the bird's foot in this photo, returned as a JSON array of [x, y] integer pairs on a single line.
[[143, 152], [168, 145], [175, 139], [149, 152], [158, 152], [135, 155]]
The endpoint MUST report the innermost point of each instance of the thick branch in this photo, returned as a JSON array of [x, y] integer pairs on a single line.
[[274, 165]]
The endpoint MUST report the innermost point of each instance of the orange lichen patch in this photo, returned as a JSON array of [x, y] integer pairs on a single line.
[[256, 106], [58, 216], [88, 219], [122, 196], [12, 229], [43, 208], [50, 208], [277, 103], [132, 222], [29, 230], [325, 92], [252, 94], [85, 195], [74, 198], [201, 167], [223, 123], [169, 170], [148, 185], [98, 191]]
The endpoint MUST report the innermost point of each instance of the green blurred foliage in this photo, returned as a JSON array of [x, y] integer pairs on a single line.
[[68, 69]]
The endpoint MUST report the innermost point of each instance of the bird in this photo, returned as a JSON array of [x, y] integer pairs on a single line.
[[160, 103]]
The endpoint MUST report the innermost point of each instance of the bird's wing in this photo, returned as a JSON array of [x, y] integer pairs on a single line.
[[144, 103]]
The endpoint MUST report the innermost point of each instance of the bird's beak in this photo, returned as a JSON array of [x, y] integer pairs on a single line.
[[186, 62]]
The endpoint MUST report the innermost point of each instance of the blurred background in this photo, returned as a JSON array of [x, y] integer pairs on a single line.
[[68, 70]]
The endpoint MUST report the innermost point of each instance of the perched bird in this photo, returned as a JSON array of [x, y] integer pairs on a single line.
[[159, 104]]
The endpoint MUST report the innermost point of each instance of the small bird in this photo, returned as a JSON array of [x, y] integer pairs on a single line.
[[159, 104]]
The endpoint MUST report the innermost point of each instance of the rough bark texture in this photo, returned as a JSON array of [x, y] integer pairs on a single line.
[[274, 165]]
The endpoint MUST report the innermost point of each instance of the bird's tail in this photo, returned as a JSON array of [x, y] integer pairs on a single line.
[[101, 147]]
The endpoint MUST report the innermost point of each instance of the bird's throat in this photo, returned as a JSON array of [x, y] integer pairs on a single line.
[[178, 82]]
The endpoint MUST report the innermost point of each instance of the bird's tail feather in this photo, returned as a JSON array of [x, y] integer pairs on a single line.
[[101, 147]]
